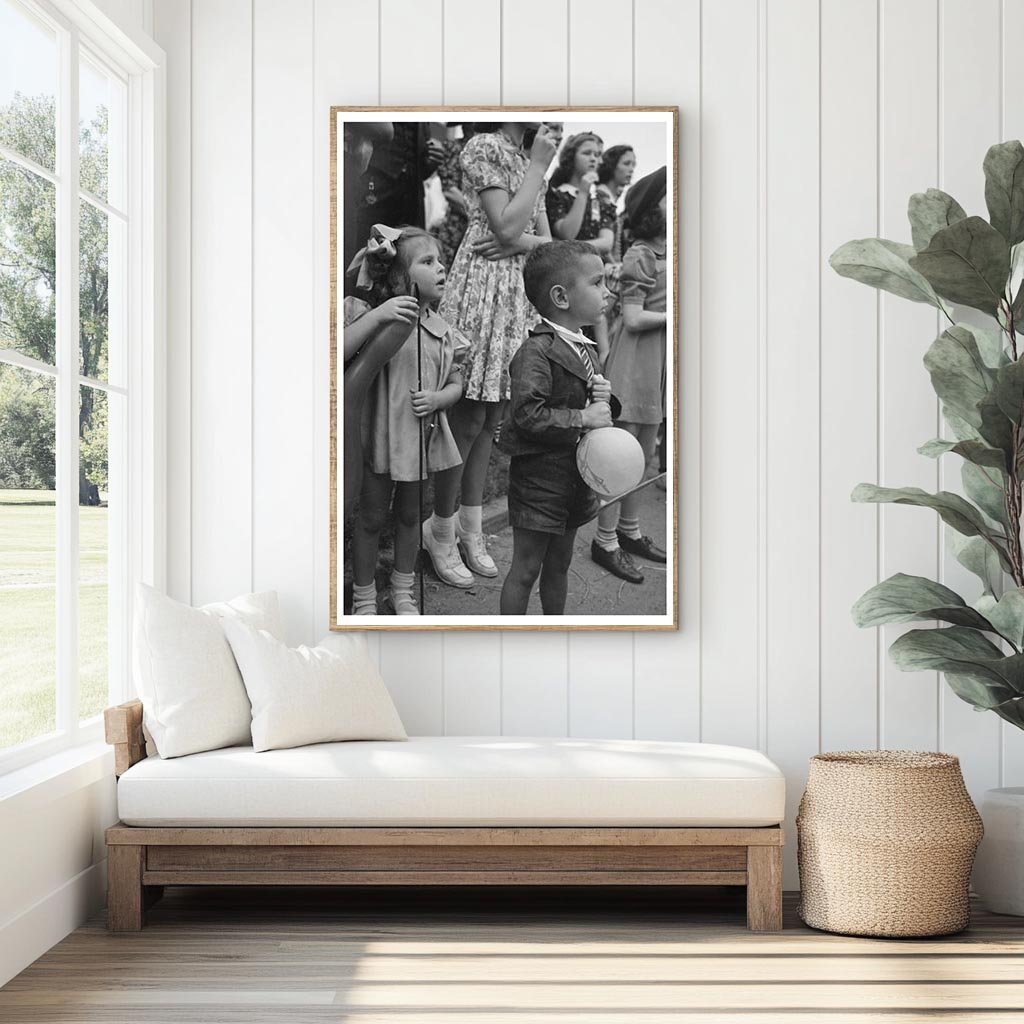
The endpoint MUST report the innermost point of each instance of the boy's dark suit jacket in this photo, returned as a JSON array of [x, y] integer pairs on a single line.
[[549, 393]]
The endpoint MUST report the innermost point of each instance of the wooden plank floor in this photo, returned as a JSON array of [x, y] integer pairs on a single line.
[[219, 956]]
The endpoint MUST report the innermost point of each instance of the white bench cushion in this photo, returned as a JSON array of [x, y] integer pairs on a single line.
[[459, 780]]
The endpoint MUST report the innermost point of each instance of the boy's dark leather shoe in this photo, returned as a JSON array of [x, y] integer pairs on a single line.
[[642, 546], [617, 562]]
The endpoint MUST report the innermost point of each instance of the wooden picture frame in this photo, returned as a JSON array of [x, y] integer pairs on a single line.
[[364, 157]]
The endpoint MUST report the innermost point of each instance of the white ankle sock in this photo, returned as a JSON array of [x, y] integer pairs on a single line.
[[443, 528], [606, 539], [364, 596], [630, 527], [471, 518], [402, 579]]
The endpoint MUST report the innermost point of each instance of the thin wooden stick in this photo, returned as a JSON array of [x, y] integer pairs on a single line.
[[419, 387]]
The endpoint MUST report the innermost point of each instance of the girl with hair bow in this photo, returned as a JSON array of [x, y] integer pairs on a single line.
[[401, 275]]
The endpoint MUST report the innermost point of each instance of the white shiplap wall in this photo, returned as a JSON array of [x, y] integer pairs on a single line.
[[803, 123]]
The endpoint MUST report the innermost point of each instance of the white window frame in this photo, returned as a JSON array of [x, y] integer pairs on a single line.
[[141, 64]]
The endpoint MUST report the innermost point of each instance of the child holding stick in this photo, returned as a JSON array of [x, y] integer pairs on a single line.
[[390, 273]]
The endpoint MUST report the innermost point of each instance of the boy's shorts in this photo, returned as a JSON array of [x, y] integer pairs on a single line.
[[546, 492]]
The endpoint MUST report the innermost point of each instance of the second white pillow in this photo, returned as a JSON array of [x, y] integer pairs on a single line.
[[308, 695]]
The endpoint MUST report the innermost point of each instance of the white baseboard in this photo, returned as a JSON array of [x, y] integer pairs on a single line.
[[25, 938]]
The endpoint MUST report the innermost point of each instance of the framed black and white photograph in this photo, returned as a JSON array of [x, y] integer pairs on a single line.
[[504, 368]]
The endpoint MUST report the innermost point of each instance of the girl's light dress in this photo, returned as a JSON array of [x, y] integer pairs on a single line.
[[485, 298], [390, 428], [637, 360]]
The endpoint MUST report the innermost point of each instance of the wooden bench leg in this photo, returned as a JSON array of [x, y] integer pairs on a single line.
[[125, 897], [764, 888]]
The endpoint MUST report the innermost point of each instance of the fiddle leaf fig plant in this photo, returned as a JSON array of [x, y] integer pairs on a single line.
[[978, 375]]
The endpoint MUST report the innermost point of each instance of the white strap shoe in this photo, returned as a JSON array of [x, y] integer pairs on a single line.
[[401, 595], [446, 560], [474, 551]]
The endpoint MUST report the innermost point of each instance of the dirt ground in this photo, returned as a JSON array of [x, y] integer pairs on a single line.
[[592, 590]]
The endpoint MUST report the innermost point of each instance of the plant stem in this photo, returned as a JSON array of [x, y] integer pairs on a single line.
[[1012, 498]]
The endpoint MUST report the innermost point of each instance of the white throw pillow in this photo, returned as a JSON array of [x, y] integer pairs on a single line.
[[309, 694], [192, 693]]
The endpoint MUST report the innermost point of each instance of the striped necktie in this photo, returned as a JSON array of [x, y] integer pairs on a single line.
[[583, 352]]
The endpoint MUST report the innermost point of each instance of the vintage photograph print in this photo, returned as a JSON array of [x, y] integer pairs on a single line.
[[504, 354]]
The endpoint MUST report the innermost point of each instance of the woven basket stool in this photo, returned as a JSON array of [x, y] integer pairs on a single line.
[[885, 843]]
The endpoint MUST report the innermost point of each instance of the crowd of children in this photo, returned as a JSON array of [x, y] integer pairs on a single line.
[[550, 321]]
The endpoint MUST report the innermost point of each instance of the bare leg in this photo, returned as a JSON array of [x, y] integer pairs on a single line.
[[467, 420], [554, 576], [407, 525], [474, 473], [373, 507], [528, 550], [647, 435]]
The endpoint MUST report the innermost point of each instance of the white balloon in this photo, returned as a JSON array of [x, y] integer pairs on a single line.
[[610, 460]]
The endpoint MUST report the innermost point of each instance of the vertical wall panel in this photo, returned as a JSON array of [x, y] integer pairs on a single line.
[[534, 52], [535, 669], [472, 684], [793, 411], [968, 125], [173, 30], [472, 74], [412, 665], [667, 665], [597, 73], [600, 685], [849, 373], [729, 359], [909, 163], [221, 377], [1012, 127], [472, 52], [535, 674], [410, 35], [284, 271], [345, 50]]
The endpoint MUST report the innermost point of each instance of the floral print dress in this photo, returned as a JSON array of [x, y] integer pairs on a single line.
[[485, 298]]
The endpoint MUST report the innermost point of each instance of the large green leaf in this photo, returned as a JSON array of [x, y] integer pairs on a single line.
[[976, 555], [1004, 189], [883, 264], [996, 428], [973, 451], [1006, 614], [962, 651], [954, 510], [958, 371], [1009, 390], [985, 487], [967, 263], [990, 344], [903, 598], [983, 694], [932, 211], [962, 430]]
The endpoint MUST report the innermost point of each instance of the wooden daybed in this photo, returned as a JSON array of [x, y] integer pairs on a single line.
[[144, 858]]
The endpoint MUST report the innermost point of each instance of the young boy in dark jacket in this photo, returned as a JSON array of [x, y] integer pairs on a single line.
[[557, 394]]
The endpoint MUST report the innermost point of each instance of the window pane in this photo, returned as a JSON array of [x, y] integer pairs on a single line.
[[28, 85], [28, 263], [101, 295], [101, 104], [93, 551], [28, 546]]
